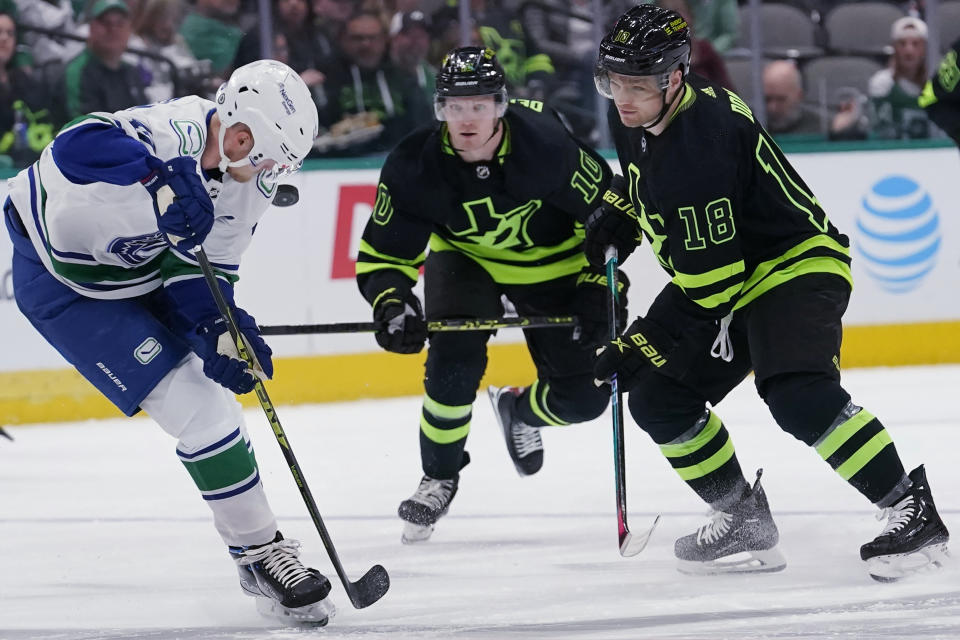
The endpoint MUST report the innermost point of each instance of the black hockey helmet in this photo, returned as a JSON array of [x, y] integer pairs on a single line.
[[470, 71], [646, 41]]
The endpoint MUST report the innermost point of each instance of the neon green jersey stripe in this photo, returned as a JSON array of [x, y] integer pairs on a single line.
[[366, 247], [765, 268], [717, 299], [692, 280], [514, 274], [368, 267], [803, 267]]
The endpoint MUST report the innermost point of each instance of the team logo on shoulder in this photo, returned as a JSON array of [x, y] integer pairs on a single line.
[[136, 250], [383, 206], [147, 350], [483, 171]]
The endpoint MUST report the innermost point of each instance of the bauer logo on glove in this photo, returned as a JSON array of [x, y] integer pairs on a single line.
[[643, 345], [647, 349], [619, 202]]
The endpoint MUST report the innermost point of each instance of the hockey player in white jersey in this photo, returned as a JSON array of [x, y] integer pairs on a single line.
[[103, 225]]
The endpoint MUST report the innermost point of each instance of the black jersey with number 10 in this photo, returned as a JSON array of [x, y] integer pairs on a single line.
[[518, 215]]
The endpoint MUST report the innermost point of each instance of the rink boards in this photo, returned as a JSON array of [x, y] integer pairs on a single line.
[[899, 207]]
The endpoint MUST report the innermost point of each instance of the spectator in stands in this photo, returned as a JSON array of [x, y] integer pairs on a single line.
[[528, 73], [157, 31], [212, 34], [783, 95], [704, 59], [329, 19], [294, 21], [894, 91], [25, 125], [717, 21], [370, 105], [293, 18], [99, 79], [409, 46], [941, 95], [56, 15]]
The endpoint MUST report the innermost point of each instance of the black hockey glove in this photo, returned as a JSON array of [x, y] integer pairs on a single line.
[[221, 360], [642, 346], [613, 223], [399, 317], [184, 210], [593, 305]]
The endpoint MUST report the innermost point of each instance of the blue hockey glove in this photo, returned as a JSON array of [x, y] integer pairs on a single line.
[[592, 303], [184, 210], [400, 316], [614, 223], [644, 345], [221, 360]]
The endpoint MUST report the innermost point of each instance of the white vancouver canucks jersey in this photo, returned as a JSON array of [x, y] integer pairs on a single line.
[[91, 220]]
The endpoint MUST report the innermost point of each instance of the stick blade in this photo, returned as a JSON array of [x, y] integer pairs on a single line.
[[631, 544], [370, 588]]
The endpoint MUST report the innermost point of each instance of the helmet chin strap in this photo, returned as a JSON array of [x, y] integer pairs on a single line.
[[224, 160], [663, 109]]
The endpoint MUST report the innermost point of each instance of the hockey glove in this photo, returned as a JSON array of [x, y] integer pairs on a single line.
[[614, 223], [644, 345], [221, 360], [593, 305], [184, 210], [399, 317]]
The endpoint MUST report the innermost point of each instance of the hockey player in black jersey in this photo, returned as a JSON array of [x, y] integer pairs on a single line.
[[759, 281], [941, 95], [499, 193]]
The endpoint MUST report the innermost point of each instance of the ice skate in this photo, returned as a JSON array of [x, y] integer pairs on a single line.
[[284, 589], [523, 441], [428, 503], [742, 539], [913, 540]]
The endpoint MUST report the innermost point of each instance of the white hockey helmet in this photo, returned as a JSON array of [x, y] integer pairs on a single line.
[[274, 101]]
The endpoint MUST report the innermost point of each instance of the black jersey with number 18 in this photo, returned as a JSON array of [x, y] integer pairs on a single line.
[[724, 211]]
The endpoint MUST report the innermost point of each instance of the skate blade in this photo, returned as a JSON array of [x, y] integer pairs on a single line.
[[894, 567], [317, 614], [765, 561], [415, 533]]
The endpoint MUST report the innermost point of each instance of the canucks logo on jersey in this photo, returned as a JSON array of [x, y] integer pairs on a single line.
[[137, 249]]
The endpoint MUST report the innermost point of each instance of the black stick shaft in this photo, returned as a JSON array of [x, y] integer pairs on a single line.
[[271, 413], [470, 324], [616, 402]]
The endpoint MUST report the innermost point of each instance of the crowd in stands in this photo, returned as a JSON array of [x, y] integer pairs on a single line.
[[370, 63]]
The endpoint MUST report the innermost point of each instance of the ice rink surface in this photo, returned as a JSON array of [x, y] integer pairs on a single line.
[[104, 535]]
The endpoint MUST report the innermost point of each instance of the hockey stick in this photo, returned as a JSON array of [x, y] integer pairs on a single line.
[[6, 435], [630, 544], [375, 582], [467, 324]]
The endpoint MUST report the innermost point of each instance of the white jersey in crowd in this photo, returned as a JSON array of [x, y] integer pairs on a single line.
[[101, 239]]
